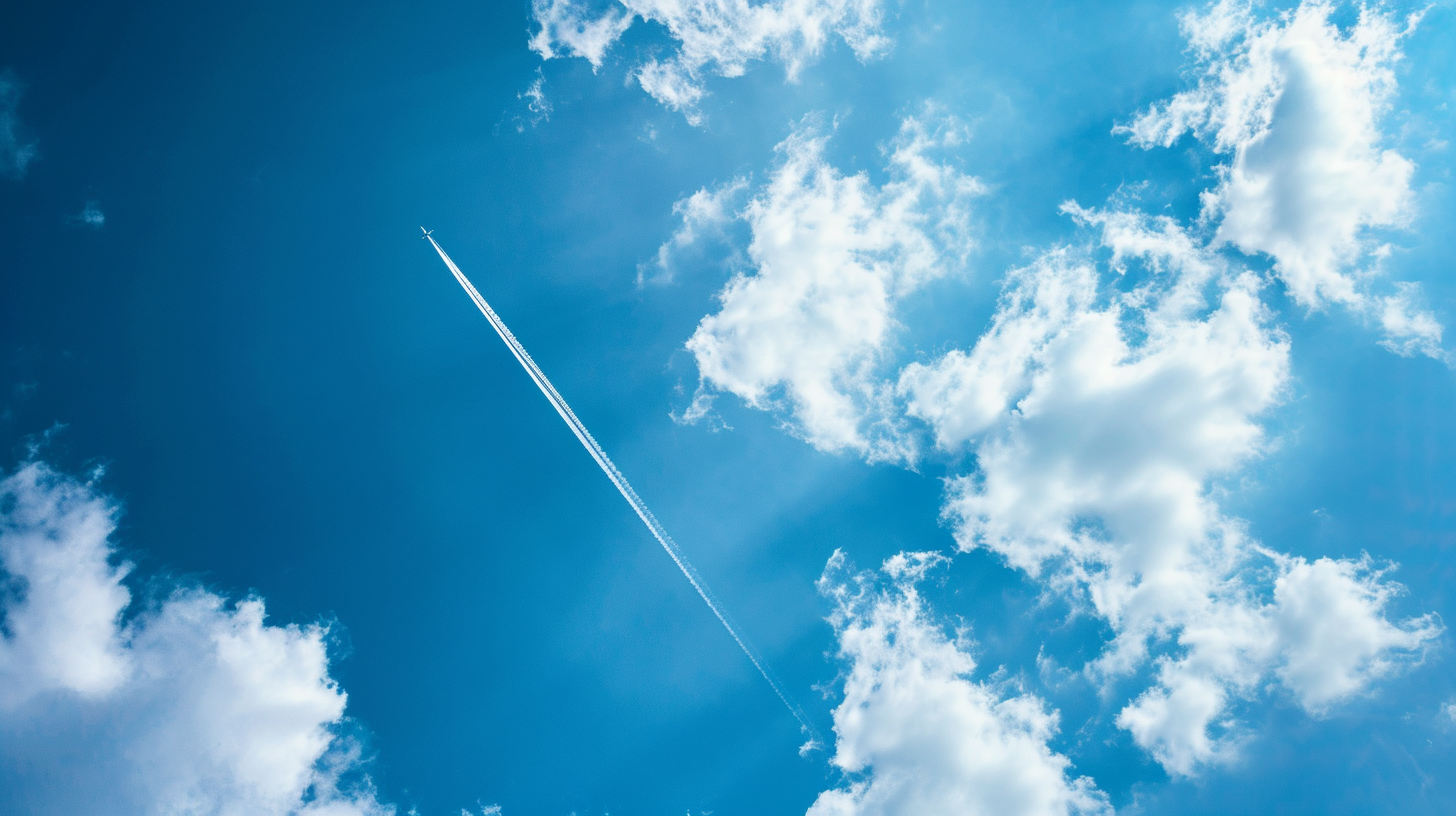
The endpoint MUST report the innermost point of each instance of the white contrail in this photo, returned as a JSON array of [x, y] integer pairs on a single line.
[[626, 490]]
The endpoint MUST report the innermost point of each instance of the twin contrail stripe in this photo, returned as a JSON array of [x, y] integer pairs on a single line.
[[653, 525]]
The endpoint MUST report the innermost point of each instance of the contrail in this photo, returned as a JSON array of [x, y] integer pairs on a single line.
[[653, 525]]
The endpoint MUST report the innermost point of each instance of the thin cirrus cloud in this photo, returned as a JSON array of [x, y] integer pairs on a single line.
[[189, 704], [916, 735], [538, 105], [16, 152], [831, 254], [1298, 103], [1104, 409], [711, 37]]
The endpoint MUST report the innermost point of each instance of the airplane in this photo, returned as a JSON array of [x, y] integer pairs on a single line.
[[426, 232]]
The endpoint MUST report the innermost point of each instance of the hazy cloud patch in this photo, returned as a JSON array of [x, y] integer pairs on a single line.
[[16, 151], [703, 215], [91, 215]]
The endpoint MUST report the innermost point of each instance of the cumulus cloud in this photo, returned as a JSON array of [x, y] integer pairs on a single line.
[[1101, 421], [1298, 104], [191, 704], [711, 37], [1334, 638], [1121, 385], [16, 152], [808, 324], [915, 735]]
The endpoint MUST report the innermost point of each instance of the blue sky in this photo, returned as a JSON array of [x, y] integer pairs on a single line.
[[1055, 395]]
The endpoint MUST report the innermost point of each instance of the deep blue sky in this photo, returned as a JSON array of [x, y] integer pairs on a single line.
[[292, 399]]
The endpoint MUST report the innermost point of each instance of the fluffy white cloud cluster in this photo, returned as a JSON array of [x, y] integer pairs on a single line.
[[915, 734], [713, 37], [190, 705], [1101, 421], [15, 152], [830, 257], [1106, 410], [1298, 103]]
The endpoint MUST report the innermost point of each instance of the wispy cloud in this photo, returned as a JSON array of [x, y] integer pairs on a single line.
[[191, 703], [92, 216], [704, 214], [538, 107], [712, 37], [16, 152]]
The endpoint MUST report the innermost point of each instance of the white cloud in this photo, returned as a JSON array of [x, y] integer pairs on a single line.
[[538, 107], [962, 394], [712, 37], [568, 28], [704, 214], [16, 152], [1410, 329], [1333, 635], [187, 705], [64, 599], [1298, 103], [1324, 636], [1101, 422], [830, 256], [915, 734], [92, 216], [1108, 404], [673, 86]]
